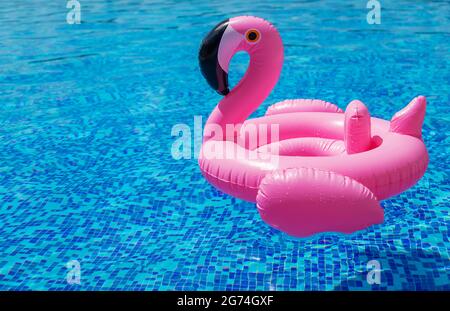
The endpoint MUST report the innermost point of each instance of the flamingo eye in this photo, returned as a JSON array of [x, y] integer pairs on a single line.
[[252, 36]]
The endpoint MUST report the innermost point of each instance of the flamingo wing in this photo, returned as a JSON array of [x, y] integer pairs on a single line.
[[305, 201]]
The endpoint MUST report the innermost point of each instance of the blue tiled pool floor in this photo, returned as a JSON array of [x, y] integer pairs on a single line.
[[86, 172]]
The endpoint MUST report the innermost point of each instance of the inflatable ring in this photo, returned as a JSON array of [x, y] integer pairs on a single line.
[[325, 169]]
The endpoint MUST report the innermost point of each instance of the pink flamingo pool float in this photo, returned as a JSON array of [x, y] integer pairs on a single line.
[[332, 167]]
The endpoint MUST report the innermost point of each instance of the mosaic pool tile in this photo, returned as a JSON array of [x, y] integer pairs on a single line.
[[86, 172]]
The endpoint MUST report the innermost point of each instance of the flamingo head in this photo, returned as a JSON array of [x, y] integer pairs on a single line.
[[244, 33]]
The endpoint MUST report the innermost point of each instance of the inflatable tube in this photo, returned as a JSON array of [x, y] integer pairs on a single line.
[[308, 166]]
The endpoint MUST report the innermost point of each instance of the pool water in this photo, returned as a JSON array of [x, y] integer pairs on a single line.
[[87, 175]]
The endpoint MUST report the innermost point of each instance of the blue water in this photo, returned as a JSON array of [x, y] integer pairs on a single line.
[[86, 171]]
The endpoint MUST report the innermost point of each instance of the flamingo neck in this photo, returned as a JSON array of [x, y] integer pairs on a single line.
[[261, 77]]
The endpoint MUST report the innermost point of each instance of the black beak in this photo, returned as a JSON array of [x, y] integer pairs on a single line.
[[209, 62]]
